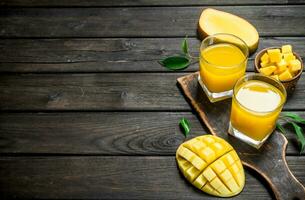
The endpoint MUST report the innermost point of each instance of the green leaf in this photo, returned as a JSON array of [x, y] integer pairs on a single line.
[[280, 128], [299, 134], [184, 46], [175, 62], [185, 125], [296, 118]]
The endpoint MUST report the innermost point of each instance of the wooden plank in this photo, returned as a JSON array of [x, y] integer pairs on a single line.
[[140, 22], [111, 178], [91, 133], [104, 91], [68, 3], [107, 55]]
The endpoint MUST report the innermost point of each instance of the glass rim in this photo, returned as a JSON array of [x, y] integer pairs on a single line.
[[283, 91], [231, 35]]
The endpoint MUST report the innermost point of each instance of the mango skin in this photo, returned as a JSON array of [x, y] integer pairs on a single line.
[[212, 165], [245, 31]]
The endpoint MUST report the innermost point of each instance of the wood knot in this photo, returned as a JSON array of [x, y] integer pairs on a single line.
[[124, 95], [54, 96]]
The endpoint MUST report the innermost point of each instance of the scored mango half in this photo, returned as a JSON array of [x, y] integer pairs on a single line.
[[212, 165]]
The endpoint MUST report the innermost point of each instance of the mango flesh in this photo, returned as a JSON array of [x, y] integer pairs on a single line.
[[280, 63], [212, 165], [213, 21]]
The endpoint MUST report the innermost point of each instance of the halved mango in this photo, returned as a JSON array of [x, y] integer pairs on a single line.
[[220, 171], [213, 21]]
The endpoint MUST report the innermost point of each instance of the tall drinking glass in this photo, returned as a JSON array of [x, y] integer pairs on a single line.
[[223, 60], [256, 104]]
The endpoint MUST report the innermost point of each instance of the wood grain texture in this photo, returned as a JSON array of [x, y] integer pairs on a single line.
[[269, 160], [107, 55], [104, 91], [141, 22], [110, 178], [104, 133], [68, 3]]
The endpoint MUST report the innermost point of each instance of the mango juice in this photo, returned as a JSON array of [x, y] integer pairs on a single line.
[[256, 106], [221, 65]]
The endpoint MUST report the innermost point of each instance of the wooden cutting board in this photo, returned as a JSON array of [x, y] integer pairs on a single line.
[[269, 161]]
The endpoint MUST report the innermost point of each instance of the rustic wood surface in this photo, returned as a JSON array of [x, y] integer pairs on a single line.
[[152, 21], [86, 112], [107, 54], [103, 91]]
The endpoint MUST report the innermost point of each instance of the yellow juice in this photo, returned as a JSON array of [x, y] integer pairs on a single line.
[[221, 65], [255, 108]]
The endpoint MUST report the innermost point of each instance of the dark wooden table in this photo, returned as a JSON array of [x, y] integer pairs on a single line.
[[86, 110]]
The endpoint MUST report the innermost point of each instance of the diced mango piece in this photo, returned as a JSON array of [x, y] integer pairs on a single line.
[[288, 57], [268, 70], [208, 154], [190, 156], [208, 189], [265, 64], [218, 166], [192, 173], [232, 185], [280, 69], [295, 65], [274, 55], [287, 48], [226, 175], [221, 175], [286, 75], [209, 174], [216, 183], [282, 63], [223, 189], [200, 181], [275, 77], [265, 58]]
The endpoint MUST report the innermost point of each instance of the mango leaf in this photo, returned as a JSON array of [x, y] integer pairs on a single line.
[[185, 125], [296, 118], [184, 47], [299, 134], [175, 62], [280, 128]]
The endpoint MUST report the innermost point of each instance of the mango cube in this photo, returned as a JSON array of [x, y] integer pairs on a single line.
[[279, 70], [287, 48], [295, 65], [265, 58], [288, 57], [286, 75], [268, 70], [221, 174], [265, 64], [276, 77], [282, 63], [274, 55]]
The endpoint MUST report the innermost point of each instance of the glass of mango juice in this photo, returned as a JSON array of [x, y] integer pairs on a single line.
[[223, 60], [256, 104]]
